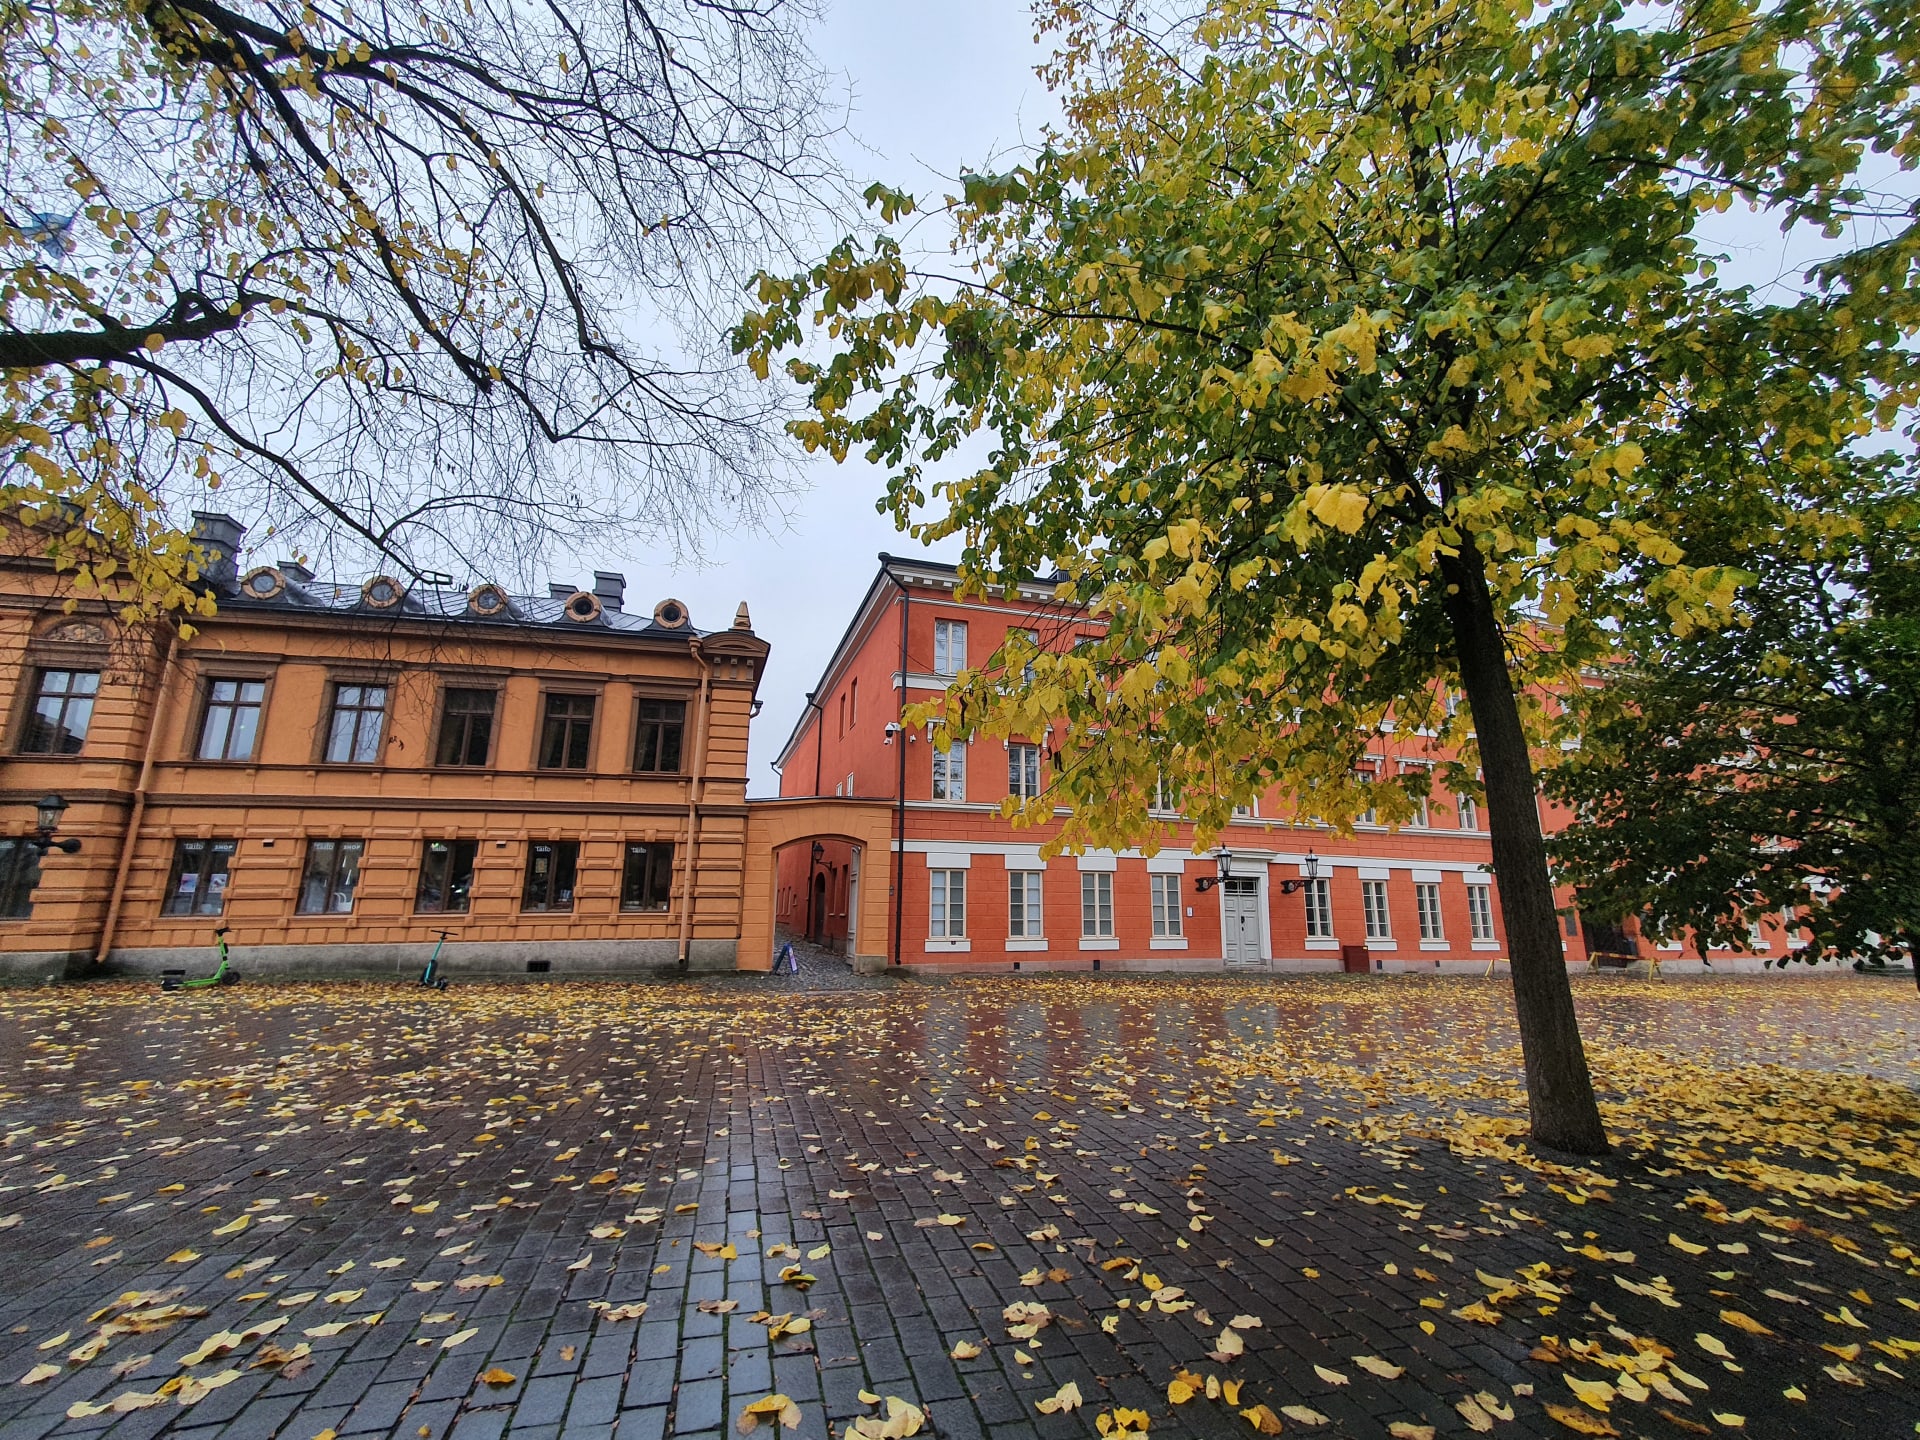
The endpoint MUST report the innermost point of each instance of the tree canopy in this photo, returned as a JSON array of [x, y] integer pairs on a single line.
[[434, 278], [1771, 766], [1346, 356]]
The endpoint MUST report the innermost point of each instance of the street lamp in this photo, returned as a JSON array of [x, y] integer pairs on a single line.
[[47, 818], [1287, 887], [1224, 858]]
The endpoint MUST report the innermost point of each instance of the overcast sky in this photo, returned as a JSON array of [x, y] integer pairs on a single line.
[[936, 85]]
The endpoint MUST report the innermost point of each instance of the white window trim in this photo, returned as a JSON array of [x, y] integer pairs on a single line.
[[1167, 862], [1491, 945], [1027, 942], [1436, 945], [953, 627], [949, 860], [1168, 942], [1323, 944], [951, 944], [1086, 944], [1098, 860]]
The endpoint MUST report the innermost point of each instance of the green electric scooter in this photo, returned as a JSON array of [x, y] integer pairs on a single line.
[[430, 977], [223, 974]]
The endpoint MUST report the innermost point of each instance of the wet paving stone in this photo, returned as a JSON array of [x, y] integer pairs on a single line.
[[499, 1211]]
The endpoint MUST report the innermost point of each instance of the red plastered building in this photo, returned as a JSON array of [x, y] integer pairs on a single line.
[[973, 892]]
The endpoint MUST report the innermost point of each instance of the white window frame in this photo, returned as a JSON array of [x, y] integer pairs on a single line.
[[1466, 812], [946, 904], [1367, 775], [1376, 911], [1423, 817], [949, 647], [1426, 903], [1248, 811], [1096, 905], [1018, 753], [1480, 912], [1028, 925], [1167, 899], [1318, 898], [950, 773]]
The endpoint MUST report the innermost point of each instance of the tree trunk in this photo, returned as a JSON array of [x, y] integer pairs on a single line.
[[1559, 1089]]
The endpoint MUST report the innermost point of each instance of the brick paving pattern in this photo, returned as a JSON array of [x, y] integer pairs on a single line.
[[392, 1151]]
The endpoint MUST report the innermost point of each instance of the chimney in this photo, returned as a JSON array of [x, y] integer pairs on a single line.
[[295, 571], [218, 537], [557, 591], [742, 620], [611, 589]]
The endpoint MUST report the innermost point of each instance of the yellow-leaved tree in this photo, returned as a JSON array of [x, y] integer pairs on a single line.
[[1342, 356]]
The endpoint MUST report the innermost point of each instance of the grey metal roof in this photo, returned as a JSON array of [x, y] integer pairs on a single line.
[[448, 604]]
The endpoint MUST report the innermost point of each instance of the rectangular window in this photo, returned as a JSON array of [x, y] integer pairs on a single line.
[[62, 706], [1569, 923], [232, 720], [1096, 904], [950, 773], [333, 870], [198, 884], [1319, 910], [646, 883], [1023, 905], [1247, 812], [853, 704], [656, 745], [550, 873], [1166, 796], [1023, 770], [948, 896], [566, 733], [19, 873], [466, 727], [353, 732], [1426, 897], [1365, 777], [1467, 812], [1373, 902], [446, 877], [1166, 906], [1423, 815], [1480, 911], [949, 647]]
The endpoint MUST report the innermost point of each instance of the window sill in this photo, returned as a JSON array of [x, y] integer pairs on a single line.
[[1323, 944], [1435, 945], [1027, 944], [36, 756], [948, 944], [1168, 942], [1086, 944], [1486, 944], [1387, 944]]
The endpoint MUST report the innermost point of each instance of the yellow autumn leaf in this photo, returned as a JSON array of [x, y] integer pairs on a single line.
[[234, 1227], [497, 1376], [1407, 1430], [1741, 1321], [964, 1350], [1304, 1415], [1374, 1365], [183, 1257], [1262, 1418], [1597, 1393], [1581, 1422], [1713, 1345], [1066, 1398]]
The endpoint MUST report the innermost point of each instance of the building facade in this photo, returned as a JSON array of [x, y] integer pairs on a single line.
[[339, 774], [972, 892]]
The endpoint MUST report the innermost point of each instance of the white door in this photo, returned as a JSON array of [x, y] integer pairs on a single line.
[[853, 903], [1240, 924]]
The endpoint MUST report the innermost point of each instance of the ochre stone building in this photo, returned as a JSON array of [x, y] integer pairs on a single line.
[[339, 773]]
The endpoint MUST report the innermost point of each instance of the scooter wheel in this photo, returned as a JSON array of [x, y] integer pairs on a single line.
[[231, 977]]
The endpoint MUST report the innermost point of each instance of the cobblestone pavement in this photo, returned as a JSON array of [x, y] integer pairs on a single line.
[[567, 1211]]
